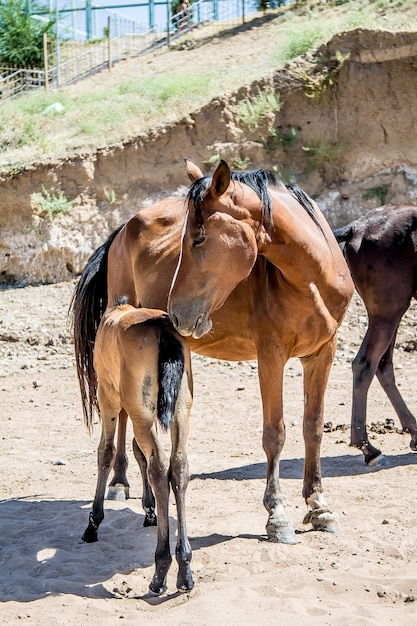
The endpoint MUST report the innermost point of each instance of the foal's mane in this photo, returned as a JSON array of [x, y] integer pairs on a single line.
[[258, 180]]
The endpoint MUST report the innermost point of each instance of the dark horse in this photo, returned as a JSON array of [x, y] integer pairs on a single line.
[[381, 251], [144, 370], [261, 270]]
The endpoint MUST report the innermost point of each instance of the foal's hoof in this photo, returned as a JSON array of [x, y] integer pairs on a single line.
[[281, 533], [379, 462], [90, 535], [322, 519], [118, 492]]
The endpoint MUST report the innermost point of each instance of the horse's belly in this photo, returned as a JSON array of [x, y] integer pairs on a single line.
[[228, 348]]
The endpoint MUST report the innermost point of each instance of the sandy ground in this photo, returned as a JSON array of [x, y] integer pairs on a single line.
[[363, 576]]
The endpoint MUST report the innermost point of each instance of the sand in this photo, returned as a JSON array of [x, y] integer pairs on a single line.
[[365, 575]]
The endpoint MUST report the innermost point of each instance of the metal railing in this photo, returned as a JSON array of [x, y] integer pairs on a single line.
[[124, 38]]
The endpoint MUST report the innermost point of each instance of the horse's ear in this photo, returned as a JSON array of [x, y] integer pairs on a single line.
[[193, 171], [220, 180]]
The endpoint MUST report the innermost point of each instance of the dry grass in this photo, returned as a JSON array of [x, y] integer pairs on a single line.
[[153, 90]]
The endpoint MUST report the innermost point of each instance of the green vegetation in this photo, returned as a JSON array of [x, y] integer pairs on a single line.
[[51, 205], [254, 109], [318, 76], [21, 37], [322, 153], [121, 104], [379, 193]]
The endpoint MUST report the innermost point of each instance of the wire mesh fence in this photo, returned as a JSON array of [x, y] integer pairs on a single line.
[[67, 61]]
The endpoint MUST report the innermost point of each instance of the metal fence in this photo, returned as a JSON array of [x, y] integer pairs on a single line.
[[66, 62]]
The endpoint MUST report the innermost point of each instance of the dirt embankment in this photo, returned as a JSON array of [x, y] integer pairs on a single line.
[[345, 131]]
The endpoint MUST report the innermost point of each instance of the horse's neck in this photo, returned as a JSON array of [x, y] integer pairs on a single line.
[[296, 247]]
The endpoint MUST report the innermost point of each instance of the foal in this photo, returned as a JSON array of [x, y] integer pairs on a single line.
[[144, 370]]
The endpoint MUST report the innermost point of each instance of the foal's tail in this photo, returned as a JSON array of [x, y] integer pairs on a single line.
[[86, 309], [170, 373], [344, 233]]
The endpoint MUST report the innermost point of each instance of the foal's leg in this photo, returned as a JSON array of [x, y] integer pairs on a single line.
[[105, 459], [386, 376], [180, 477], [148, 500], [158, 472], [316, 374], [375, 345], [119, 485], [271, 369]]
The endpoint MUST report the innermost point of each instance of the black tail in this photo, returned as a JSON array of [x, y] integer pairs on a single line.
[[86, 309], [170, 372], [344, 233]]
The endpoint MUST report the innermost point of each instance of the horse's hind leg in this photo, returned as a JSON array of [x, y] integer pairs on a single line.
[[119, 485], [376, 343], [386, 377], [158, 472], [105, 459], [180, 477], [148, 499]]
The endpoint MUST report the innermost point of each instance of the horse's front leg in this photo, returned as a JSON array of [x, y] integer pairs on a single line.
[[119, 485], [279, 527], [316, 374]]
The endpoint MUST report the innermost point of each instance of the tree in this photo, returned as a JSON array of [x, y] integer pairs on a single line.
[[21, 36]]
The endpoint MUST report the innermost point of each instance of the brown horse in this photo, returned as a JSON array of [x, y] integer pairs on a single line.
[[381, 251], [259, 258], [144, 369]]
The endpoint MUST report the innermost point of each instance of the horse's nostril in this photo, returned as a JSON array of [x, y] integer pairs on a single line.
[[174, 319]]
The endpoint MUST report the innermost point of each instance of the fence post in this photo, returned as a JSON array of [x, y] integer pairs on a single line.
[[168, 23], [109, 41], [45, 60]]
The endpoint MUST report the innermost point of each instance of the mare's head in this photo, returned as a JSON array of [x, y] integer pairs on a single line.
[[219, 246]]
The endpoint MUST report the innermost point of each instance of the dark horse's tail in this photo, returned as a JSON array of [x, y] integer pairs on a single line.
[[86, 309], [344, 233], [170, 372]]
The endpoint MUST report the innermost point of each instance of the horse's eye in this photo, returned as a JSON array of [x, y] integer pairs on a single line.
[[198, 241]]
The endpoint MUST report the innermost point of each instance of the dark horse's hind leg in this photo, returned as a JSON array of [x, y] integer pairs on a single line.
[[148, 499], [119, 485], [386, 377], [375, 357]]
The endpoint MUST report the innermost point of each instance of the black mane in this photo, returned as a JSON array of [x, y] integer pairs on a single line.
[[258, 180]]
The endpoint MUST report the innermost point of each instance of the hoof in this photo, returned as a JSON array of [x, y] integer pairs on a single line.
[[118, 492], [281, 533], [378, 462], [156, 588], [150, 520], [90, 535], [185, 585], [323, 520]]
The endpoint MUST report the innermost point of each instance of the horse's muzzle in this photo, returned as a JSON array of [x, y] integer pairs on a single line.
[[190, 326]]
